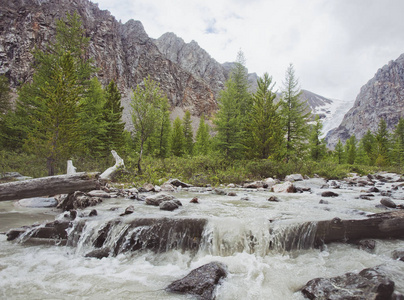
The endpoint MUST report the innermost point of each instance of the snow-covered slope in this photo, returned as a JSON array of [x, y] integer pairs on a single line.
[[331, 111]]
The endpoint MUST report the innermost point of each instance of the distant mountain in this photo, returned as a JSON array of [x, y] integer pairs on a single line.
[[382, 97], [189, 76]]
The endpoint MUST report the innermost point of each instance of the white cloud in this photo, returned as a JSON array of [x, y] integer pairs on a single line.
[[335, 46]]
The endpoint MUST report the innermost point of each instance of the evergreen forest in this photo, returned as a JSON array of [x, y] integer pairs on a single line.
[[65, 113]]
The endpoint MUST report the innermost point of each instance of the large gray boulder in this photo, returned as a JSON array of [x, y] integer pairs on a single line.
[[369, 284], [158, 198], [200, 282]]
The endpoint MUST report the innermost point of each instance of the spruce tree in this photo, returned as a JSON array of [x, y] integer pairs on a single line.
[[114, 135], [350, 149], [295, 117], [398, 144], [339, 151], [264, 129], [202, 143], [177, 138], [317, 145], [55, 133], [92, 120], [188, 133], [163, 128], [382, 144], [4, 96], [369, 145]]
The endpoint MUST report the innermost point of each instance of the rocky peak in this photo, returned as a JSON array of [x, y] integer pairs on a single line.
[[192, 58], [121, 52], [382, 97]]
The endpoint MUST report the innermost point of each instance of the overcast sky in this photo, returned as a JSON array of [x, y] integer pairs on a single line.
[[336, 46]]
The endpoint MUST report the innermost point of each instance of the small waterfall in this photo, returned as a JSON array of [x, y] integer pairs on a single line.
[[229, 236], [156, 234]]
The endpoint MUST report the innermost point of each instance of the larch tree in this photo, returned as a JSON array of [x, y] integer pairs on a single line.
[[114, 135], [398, 144], [188, 133], [146, 111], [382, 144], [339, 151], [264, 128], [317, 145], [202, 140], [295, 117], [177, 138]]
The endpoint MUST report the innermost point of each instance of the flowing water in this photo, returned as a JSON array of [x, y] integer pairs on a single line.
[[247, 236]]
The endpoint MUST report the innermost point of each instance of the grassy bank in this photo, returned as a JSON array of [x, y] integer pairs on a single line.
[[199, 170]]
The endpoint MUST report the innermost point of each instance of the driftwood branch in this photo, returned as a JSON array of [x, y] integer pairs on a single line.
[[47, 186]]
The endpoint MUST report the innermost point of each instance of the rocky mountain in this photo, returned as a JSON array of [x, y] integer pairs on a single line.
[[382, 97], [123, 52], [188, 75]]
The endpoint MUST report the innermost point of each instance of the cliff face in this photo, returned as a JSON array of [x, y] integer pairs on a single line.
[[122, 52], [381, 98]]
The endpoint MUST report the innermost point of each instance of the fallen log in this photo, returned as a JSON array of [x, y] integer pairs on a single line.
[[52, 185]]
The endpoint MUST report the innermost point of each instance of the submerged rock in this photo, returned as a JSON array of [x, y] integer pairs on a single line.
[[398, 255], [99, 253], [368, 284], [294, 177], [38, 202], [329, 194], [200, 282]]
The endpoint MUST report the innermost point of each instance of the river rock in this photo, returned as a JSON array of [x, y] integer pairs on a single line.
[[38, 202], [286, 187], [147, 187], [270, 182], [169, 205], [369, 284], [158, 198], [194, 200], [99, 253], [99, 193], [368, 245], [254, 185], [129, 210], [167, 187], [329, 194], [178, 183], [294, 177], [388, 202], [232, 194], [78, 200], [398, 254], [200, 282], [274, 199], [219, 192]]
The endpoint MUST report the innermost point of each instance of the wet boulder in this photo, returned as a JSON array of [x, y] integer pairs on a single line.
[[99, 193], [38, 202], [200, 282], [158, 198], [398, 254], [286, 187], [178, 183], [294, 177], [78, 200], [254, 185], [388, 202], [169, 205], [329, 194], [167, 187], [219, 192], [368, 284], [99, 253]]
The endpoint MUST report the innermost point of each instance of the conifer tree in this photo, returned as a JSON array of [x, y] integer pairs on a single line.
[[339, 151], [350, 149], [382, 144], [316, 144], [147, 110], [398, 146], [177, 138], [114, 136], [92, 122], [295, 116], [163, 128], [264, 129], [369, 145], [234, 104], [202, 143], [361, 155], [188, 133], [4, 96], [55, 133]]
